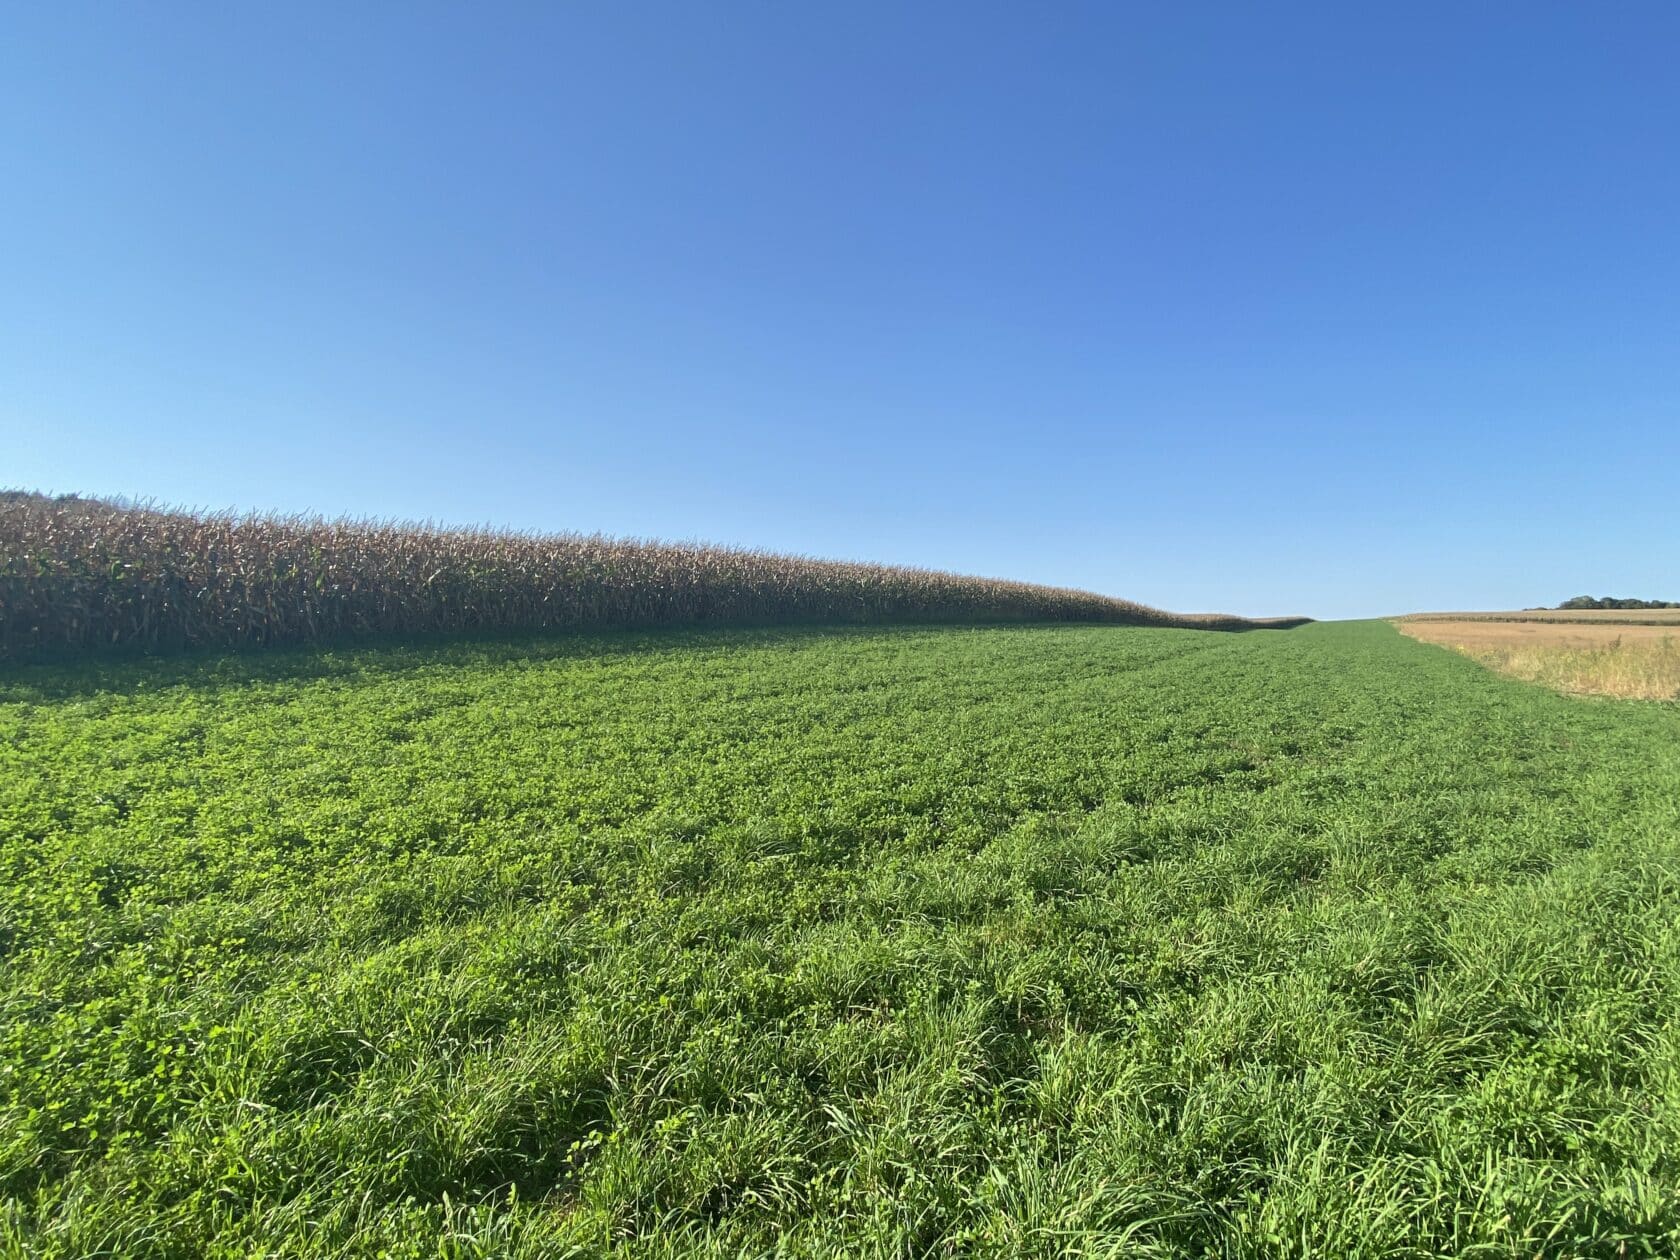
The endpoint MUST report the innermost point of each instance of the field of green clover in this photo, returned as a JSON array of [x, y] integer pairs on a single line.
[[1019, 941]]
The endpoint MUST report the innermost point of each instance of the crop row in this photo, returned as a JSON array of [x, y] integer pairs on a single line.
[[81, 573]]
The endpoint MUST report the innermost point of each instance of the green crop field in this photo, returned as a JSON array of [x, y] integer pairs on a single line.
[[1010, 941]]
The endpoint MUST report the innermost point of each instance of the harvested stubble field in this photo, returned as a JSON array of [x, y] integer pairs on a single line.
[[1010, 941], [1632, 655]]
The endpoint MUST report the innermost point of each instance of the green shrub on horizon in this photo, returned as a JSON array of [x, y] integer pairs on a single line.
[[1611, 602]]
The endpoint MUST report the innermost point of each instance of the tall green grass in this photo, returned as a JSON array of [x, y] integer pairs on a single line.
[[78, 574], [1052, 941]]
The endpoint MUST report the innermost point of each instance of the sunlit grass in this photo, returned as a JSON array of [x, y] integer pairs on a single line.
[[1006, 942]]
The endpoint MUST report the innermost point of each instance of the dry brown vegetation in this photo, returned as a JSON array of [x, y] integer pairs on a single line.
[[1633, 654], [1563, 616], [80, 573]]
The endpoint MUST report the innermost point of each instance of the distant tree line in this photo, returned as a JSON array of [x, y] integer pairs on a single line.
[[1610, 601]]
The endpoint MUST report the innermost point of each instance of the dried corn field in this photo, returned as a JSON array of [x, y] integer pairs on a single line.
[[80, 574], [1558, 616]]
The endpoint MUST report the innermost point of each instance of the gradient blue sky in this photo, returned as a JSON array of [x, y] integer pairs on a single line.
[[1334, 309]]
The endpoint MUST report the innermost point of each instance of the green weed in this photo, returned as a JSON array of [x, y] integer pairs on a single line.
[[1046, 941]]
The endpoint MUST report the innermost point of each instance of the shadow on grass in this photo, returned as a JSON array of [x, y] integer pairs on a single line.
[[126, 672]]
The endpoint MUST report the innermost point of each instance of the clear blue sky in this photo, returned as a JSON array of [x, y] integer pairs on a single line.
[[1335, 309]]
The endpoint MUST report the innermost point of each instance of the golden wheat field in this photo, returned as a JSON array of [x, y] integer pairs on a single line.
[[1596, 652]]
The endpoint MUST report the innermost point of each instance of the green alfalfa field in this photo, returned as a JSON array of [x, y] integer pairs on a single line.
[[1009, 941]]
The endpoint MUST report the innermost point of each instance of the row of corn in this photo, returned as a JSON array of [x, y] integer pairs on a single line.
[[83, 573]]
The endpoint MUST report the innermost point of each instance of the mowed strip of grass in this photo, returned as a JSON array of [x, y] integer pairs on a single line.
[[1042, 941]]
